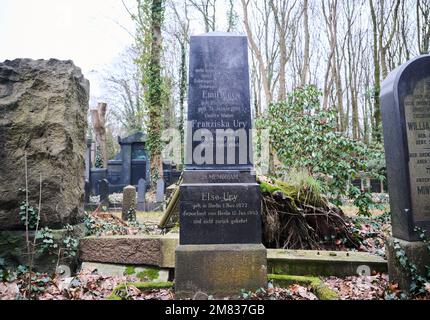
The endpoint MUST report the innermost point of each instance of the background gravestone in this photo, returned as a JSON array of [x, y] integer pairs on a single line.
[[405, 106], [87, 191], [129, 203], [220, 249], [141, 192], [160, 191], [104, 192]]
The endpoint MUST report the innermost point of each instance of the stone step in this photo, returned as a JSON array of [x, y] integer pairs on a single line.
[[159, 251], [144, 273], [323, 263]]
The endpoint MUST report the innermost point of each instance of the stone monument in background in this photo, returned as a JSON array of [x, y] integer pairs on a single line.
[[405, 107], [220, 249]]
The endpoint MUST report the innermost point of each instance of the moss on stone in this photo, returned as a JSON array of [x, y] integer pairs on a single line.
[[142, 286], [149, 274], [317, 285], [129, 271]]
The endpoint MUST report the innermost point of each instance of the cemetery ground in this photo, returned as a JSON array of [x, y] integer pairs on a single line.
[[98, 281]]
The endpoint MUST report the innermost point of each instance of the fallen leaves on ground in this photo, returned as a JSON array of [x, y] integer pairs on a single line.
[[373, 232], [86, 285], [360, 287], [294, 292]]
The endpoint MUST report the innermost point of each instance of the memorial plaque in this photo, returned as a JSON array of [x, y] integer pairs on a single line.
[[219, 112], [417, 119], [405, 101], [220, 214]]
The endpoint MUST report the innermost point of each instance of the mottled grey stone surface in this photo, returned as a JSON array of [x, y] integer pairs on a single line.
[[43, 113]]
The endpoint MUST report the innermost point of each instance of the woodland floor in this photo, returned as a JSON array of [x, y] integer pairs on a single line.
[[91, 286]]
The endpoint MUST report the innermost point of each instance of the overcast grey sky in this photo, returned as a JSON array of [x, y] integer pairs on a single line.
[[89, 32]]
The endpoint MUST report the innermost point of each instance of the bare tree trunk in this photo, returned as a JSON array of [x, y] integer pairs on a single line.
[[257, 52], [306, 53], [98, 118], [376, 131], [423, 25]]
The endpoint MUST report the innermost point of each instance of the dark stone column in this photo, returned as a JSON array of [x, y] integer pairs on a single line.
[[220, 249]]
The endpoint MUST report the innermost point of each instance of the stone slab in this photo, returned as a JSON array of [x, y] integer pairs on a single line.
[[219, 270], [144, 273], [293, 262], [323, 263], [130, 250]]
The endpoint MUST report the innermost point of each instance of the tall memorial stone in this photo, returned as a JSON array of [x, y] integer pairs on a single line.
[[220, 249], [405, 107]]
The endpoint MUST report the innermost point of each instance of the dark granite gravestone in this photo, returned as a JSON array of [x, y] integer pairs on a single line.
[[220, 201], [141, 191], [159, 196], [104, 192], [405, 101], [405, 107]]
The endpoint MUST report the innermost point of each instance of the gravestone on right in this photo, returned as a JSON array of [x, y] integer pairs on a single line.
[[405, 108]]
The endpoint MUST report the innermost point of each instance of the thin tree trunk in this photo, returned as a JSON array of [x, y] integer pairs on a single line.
[[98, 118], [306, 53]]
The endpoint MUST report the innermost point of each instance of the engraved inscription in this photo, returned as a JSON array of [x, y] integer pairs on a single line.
[[219, 208], [417, 118], [217, 106]]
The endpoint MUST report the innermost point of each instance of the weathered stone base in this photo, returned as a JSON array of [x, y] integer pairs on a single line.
[[13, 249], [143, 273], [416, 252], [219, 270], [323, 263], [130, 250]]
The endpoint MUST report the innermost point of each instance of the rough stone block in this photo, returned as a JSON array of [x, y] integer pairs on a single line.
[[130, 250], [43, 113], [13, 249]]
